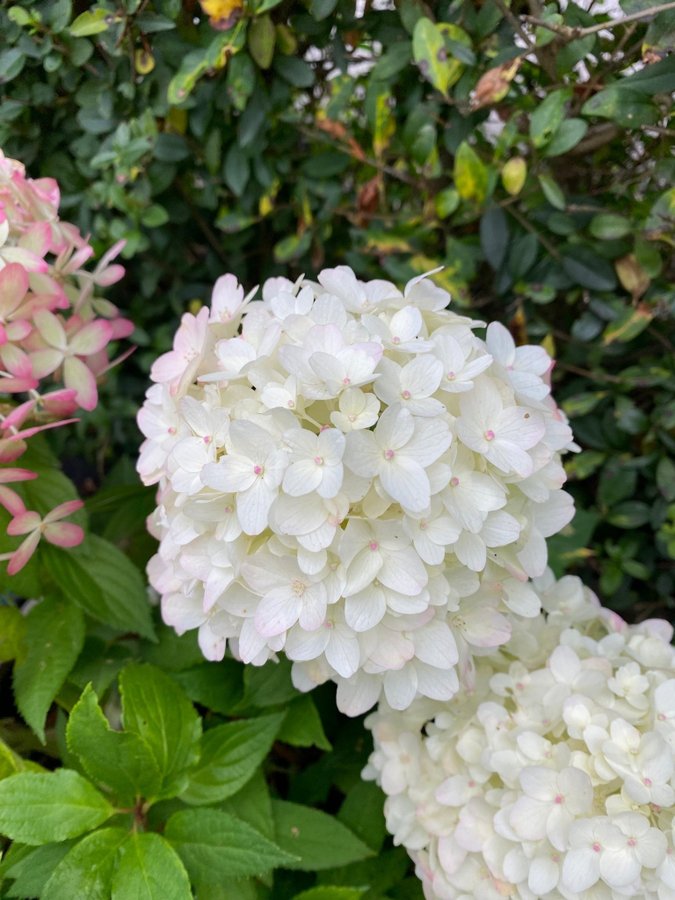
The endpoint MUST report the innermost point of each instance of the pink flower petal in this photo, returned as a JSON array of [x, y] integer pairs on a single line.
[[38, 238], [24, 523], [9, 475], [77, 376], [29, 432], [11, 501], [51, 329], [91, 338], [13, 287], [21, 556], [64, 534], [63, 510], [11, 449], [16, 361]]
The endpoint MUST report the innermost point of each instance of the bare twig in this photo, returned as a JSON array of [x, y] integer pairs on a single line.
[[572, 34]]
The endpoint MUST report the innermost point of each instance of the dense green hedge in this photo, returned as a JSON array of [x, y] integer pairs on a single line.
[[524, 148], [399, 140]]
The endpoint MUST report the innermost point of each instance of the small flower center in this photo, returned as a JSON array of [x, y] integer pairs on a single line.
[[661, 717], [489, 435], [396, 339], [172, 430], [257, 470], [351, 417], [647, 782], [596, 847], [406, 395], [450, 376], [373, 545], [559, 799], [207, 438], [346, 380], [423, 525], [454, 481], [298, 587], [631, 842], [291, 404], [389, 454], [318, 460]]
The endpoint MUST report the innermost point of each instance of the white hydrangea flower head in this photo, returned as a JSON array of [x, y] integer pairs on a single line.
[[349, 474], [555, 776]]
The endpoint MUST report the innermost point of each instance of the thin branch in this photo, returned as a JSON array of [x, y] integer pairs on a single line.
[[572, 34]]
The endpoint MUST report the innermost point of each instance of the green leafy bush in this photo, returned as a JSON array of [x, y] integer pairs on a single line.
[[524, 148]]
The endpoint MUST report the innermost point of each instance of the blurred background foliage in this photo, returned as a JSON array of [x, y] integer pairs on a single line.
[[524, 147]]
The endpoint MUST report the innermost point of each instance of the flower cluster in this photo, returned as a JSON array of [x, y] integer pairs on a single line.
[[555, 778], [53, 337], [348, 474]]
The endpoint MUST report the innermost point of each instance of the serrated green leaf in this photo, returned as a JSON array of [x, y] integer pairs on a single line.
[[229, 756], [34, 868], [120, 761], [156, 709], [148, 868], [318, 839], [86, 871], [215, 845], [54, 638], [37, 808], [302, 726], [103, 582], [11, 762], [219, 686]]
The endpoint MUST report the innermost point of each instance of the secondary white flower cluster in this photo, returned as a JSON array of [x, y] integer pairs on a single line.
[[555, 777], [348, 474]]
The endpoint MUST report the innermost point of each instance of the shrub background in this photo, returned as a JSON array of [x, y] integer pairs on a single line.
[[525, 148]]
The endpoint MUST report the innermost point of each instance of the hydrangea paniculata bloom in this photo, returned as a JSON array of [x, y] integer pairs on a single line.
[[555, 777], [349, 474], [54, 332]]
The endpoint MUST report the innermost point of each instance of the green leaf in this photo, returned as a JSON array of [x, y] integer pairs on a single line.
[[318, 839], [261, 39], [446, 202], [631, 514], [548, 116], [215, 845], [292, 247], [230, 754], [302, 726], [471, 175], [11, 762], [568, 135], [54, 639], [584, 267], [219, 686], [120, 761], [197, 62], [37, 808], [616, 482], [103, 582], [253, 804], [94, 21], [609, 226], [156, 709], [552, 191], [321, 9], [665, 477], [87, 870], [630, 109], [363, 811], [12, 632], [236, 170], [34, 868], [149, 868], [494, 236]]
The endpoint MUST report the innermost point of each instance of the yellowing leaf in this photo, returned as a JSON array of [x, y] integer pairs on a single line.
[[631, 275], [493, 86], [514, 174], [433, 53], [630, 323], [385, 124], [471, 176]]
